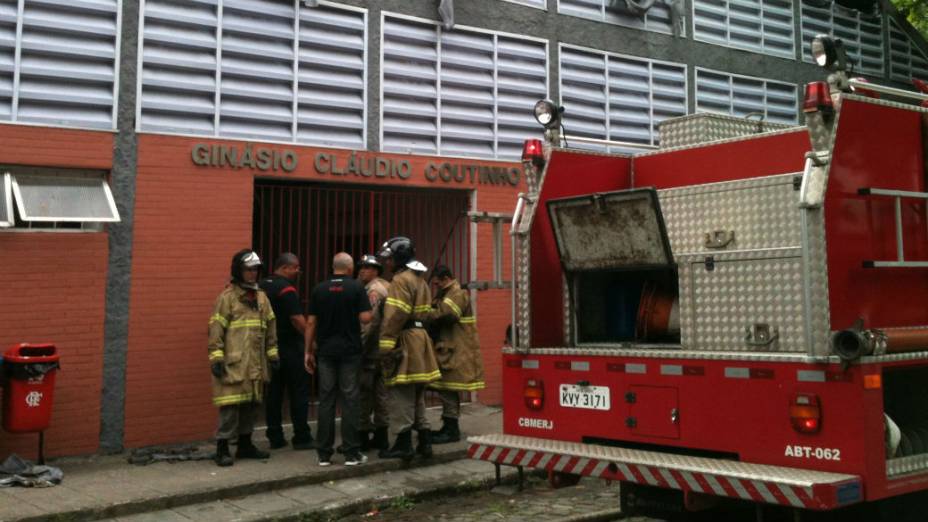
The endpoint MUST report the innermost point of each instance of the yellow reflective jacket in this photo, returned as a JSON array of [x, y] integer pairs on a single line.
[[458, 347], [245, 339], [407, 354], [370, 332]]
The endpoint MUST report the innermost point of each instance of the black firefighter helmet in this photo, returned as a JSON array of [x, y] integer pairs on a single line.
[[245, 258], [401, 249], [371, 260]]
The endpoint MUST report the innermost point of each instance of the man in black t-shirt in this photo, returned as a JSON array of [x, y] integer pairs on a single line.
[[291, 377], [337, 308]]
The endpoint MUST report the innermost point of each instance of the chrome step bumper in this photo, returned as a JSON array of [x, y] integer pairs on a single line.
[[801, 488]]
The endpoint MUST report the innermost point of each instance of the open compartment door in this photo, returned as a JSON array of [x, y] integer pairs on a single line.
[[611, 230]]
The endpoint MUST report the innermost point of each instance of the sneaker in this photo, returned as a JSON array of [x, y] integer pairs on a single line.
[[325, 461], [356, 459]]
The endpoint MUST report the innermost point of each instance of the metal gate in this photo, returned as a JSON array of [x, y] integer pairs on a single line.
[[316, 221]]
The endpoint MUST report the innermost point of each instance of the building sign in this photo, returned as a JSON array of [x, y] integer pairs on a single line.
[[244, 157], [357, 164]]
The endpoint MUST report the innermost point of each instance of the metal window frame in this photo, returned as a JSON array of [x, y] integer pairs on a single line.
[[527, 3], [298, 7], [6, 194], [731, 77], [17, 74], [762, 49], [804, 57], [650, 62], [438, 61], [602, 19], [108, 193]]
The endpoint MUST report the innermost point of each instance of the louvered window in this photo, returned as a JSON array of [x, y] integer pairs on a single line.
[[658, 17], [742, 95], [906, 60], [862, 35], [758, 25], [619, 98], [463, 92], [58, 62], [264, 69]]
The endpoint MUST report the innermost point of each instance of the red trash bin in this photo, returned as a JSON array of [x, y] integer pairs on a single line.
[[29, 387]]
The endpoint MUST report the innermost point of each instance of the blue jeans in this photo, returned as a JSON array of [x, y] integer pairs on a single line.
[[338, 377]]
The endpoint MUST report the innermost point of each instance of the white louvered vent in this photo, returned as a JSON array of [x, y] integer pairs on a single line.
[[263, 69], [906, 60], [65, 73], [617, 97], [742, 95], [862, 35], [765, 26], [461, 92], [7, 58], [615, 12]]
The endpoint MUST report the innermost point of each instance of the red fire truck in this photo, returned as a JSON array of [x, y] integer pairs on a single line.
[[729, 316]]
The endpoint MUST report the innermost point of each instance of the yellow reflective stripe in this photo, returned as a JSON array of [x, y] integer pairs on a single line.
[[423, 309], [247, 323], [458, 386], [468, 320], [225, 400], [217, 318], [272, 352], [399, 304], [413, 378], [454, 307], [387, 344], [215, 354], [270, 316]]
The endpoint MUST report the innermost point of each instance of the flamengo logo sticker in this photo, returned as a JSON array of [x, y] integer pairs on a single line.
[[33, 399]]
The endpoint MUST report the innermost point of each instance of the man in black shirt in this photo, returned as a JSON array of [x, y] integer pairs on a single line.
[[291, 377], [337, 308]]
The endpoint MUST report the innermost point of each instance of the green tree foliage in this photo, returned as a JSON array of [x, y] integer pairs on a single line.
[[916, 11]]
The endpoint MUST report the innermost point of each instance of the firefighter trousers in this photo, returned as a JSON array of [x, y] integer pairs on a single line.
[[374, 398], [407, 408], [450, 404], [236, 419]]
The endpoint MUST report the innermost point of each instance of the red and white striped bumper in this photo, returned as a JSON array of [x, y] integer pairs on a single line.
[[799, 488]]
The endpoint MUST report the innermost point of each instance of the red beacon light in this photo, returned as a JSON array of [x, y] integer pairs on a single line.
[[533, 151], [818, 98]]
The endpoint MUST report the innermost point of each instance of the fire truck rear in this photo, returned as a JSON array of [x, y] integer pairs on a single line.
[[741, 318]]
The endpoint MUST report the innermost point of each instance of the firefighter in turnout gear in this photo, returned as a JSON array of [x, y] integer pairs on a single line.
[[242, 349], [407, 355], [457, 349], [374, 396]]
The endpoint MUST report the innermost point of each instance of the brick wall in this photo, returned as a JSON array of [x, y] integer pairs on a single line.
[[54, 288], [189, 220]]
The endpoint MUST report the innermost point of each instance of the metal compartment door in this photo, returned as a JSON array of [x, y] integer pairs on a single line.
[[745, 302], [653, 411], [621, 229]]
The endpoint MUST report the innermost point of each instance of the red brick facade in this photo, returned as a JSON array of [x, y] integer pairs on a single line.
[[54, 287], [189, 219]]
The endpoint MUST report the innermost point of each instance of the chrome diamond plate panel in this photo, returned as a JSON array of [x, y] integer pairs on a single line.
[[792, 476], [906, 465], [704, 127], [666, 352], [762, 213], [719, 307]]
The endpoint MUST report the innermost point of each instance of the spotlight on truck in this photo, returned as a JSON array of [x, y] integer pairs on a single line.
[[548, 114], [828, 52]]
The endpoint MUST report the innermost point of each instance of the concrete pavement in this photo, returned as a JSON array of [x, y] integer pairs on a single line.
[[103, 487]]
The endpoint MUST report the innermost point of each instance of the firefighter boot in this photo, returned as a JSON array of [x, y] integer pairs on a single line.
[[381, 439], [424, 447], [449, 432], [402, 448], [223, 458], [247, 450]]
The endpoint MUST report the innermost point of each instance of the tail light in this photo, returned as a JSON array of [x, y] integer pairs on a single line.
[[818, 98], [534, 394], [805, 413], [533, 150]]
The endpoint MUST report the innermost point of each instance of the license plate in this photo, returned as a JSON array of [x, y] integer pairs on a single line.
[[586, 397]]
